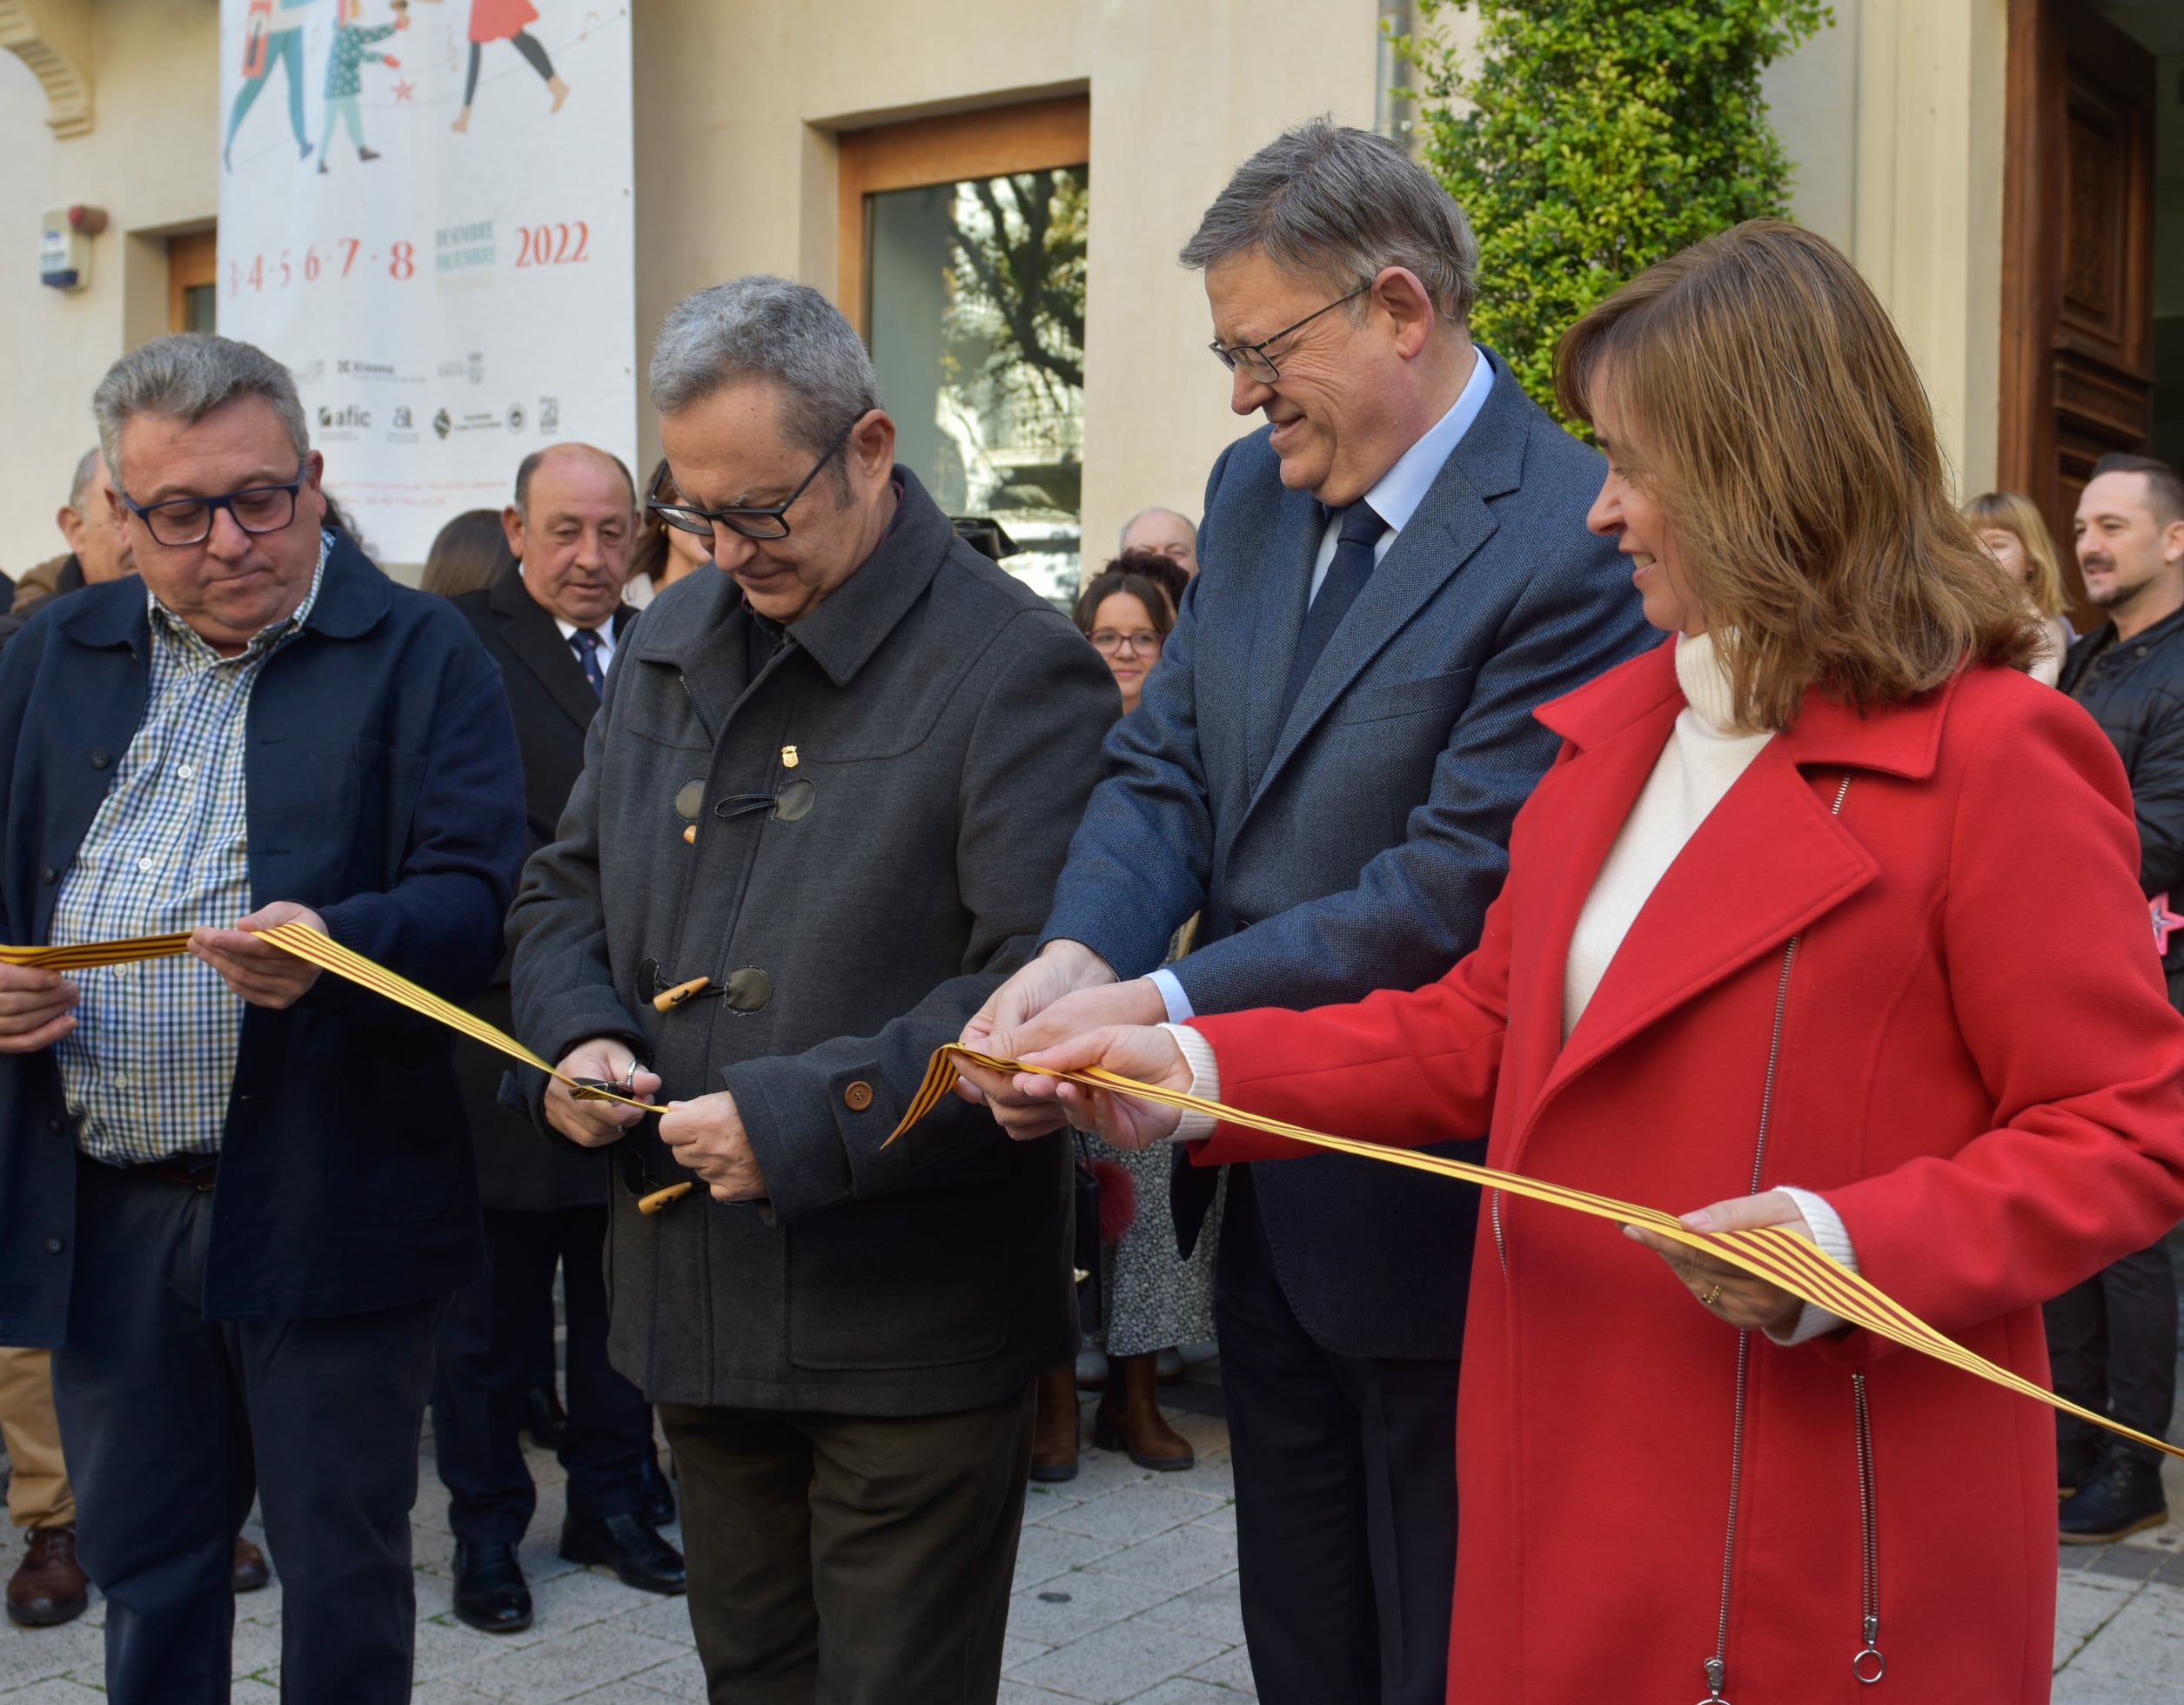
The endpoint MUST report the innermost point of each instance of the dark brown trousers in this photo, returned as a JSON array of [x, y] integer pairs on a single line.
[[851, 1560]]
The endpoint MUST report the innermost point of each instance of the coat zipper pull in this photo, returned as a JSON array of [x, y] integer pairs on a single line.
[[1869, 1666], [1717, 1677]]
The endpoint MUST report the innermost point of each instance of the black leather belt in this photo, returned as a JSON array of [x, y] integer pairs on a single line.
[[191, 1171]]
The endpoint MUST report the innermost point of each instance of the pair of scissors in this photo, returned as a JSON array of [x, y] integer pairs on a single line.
[[605, 1088]]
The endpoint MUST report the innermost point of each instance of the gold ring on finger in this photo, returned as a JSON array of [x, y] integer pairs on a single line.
[[1708, 1300]]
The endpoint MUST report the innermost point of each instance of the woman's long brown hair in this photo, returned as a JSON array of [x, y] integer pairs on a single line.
[[1777, 418]]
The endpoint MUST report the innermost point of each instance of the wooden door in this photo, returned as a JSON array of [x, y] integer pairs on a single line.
[[193, 272], [2078, 257]]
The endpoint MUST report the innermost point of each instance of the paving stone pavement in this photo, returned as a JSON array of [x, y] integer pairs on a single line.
[[1125, 1590]]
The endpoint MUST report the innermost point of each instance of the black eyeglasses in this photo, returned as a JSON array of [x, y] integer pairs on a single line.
[[1253, 357], [188, 520], [751, 521]]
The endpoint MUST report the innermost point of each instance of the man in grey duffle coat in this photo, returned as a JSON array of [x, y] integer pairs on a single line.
[[836, 780]]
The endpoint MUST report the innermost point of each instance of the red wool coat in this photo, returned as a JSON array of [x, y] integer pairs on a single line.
[[1979, 1069]]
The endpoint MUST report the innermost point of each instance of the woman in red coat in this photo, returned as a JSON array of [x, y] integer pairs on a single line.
[[1827, 916]]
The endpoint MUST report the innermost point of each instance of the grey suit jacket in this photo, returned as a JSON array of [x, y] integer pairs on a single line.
[[1358, 845]]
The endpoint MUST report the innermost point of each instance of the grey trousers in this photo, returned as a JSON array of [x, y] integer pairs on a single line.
[[851, 1560]]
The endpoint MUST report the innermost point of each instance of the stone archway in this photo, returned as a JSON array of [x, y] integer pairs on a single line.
[[53, 37]]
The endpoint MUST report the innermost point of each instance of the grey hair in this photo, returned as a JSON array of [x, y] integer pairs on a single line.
[[1123, 540], [184, 377], [79, 488], [531, 463], [768, 328], [1340, 206]]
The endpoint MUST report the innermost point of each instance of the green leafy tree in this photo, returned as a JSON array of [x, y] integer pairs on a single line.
[[1023, 256], [1587, 139]]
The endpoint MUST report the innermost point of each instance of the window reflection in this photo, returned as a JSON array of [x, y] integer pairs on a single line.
[[977, 303]]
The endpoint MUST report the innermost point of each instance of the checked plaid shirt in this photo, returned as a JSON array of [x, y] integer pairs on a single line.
[[149, 1066]]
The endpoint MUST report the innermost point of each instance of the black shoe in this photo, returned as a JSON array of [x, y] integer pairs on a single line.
[[367, 154], [2079, 1461], [490, 1593], [655, 1498], [2125, 1497], [627, 1545], [544, 1418]]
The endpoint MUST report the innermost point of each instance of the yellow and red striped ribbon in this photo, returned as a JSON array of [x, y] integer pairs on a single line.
[[1781, 1258], [86, 956], [329, 955]]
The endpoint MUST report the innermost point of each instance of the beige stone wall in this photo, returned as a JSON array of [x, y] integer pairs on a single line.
[[1894, 118], [739, 106], [151, 160]]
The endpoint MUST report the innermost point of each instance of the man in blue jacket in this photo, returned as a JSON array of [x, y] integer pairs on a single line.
[[1394, 573], [234, 1194]]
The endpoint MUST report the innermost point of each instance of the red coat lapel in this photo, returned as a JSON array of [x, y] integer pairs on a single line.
[[1769, 861]]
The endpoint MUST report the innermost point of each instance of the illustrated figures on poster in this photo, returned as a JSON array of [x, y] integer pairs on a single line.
[[344, 73], [275, 35], [505, 20]]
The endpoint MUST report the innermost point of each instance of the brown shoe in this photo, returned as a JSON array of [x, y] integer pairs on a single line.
[[49, 1588], [1129, 1418], [1054, 1439], [251, 1570]]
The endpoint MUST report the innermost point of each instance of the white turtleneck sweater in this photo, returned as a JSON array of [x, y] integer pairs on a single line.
[[1705, 753]]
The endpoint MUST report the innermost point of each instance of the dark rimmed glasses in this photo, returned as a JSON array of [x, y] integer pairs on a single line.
[[1253, 357], [188, 520], [1145, 641], [770, 521]]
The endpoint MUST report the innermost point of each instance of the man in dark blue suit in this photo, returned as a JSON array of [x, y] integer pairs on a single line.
[[235, 1194], [1396, 572]]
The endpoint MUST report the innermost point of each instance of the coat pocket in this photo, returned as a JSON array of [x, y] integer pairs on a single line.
[[908, 1281]]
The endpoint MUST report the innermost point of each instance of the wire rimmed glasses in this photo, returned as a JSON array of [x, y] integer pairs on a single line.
[[1254, 359]]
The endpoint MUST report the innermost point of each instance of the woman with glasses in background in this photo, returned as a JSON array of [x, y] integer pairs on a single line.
[[1127, 614]]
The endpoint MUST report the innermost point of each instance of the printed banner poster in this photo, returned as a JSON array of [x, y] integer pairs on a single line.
[[425, 212]]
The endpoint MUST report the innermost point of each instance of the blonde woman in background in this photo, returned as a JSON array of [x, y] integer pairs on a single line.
[[2008, 525]]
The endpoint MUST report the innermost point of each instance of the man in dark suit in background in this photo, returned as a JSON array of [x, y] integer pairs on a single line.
[[1394, 573], [552, 623]]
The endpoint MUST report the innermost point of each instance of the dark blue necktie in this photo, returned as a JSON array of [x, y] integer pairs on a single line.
[[587, 652], [1346, 577]]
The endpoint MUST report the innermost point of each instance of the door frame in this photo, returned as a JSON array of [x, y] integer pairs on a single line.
[[192, 258], [1028, 136]]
